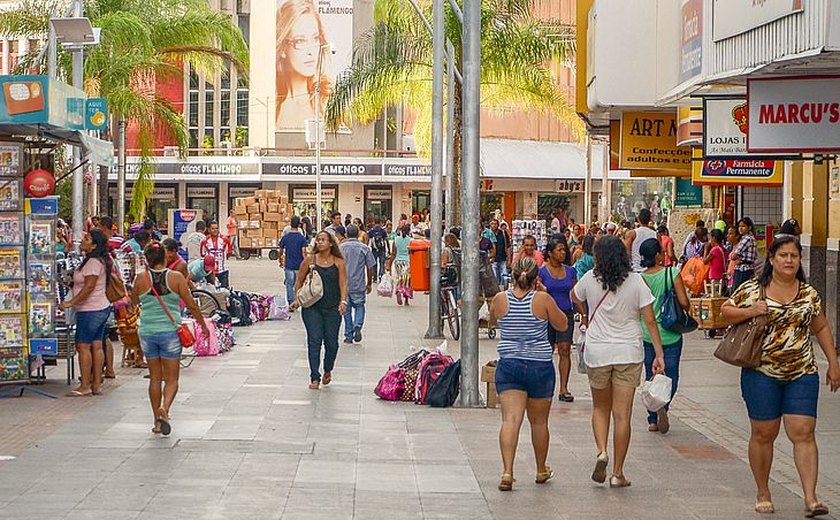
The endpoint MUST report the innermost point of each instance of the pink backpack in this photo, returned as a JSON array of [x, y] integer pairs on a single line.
[[206, 345], [392, 384], [431, 368]]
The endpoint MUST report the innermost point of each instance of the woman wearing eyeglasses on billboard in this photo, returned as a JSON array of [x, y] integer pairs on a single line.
[[300, 39]]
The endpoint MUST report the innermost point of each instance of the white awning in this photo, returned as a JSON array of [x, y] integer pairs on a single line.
[[508, 158]]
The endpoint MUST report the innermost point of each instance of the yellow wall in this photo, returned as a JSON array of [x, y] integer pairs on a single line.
[[815, 202], [582, 15]]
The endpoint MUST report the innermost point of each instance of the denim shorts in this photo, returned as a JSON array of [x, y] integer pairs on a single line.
[[164, 345], [562, 336], [768, 398], [90, 325], [537, 378]]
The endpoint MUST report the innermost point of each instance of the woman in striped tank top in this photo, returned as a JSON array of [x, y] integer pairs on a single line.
[[525, 374]]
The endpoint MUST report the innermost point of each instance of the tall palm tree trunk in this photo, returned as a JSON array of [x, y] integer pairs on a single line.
[[456, 156]]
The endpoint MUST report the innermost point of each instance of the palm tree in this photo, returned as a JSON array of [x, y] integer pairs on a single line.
[[142, 41], [392, 66]]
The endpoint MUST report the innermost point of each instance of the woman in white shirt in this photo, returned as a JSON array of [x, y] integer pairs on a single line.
[[618, 300]]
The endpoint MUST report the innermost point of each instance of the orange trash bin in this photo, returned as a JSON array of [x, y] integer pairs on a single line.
[[418, 264]]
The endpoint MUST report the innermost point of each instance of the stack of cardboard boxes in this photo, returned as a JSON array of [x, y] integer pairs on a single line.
[[262, 218]]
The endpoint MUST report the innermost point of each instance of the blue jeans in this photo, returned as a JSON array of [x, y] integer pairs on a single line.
[[322, 326], [673, 352], [291, 279], [379, 269], [354, 315], [501, 271]]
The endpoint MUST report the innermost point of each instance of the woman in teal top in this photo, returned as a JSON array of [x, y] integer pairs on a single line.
[[399, 258], [159, 291], [660, 280]]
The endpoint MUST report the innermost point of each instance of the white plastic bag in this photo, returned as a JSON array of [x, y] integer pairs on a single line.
[[580, 347], [656, 393], [484, 312], [386, 286]]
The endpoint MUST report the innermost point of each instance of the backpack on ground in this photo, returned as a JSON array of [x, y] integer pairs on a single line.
[[445, 390], [239, 306], [428, 372]]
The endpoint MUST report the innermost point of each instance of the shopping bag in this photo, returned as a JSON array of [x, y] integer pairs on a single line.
[[278, 308], [386, 286], [656, 393], [581, 363], [206, 345], [484, 312], [694, 274]]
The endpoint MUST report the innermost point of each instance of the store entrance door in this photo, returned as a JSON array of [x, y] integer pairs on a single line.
[[378, 204], [420, 201], [304, 197], [204, 198]]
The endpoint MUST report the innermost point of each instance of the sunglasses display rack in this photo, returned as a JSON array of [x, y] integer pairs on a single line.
[[522, 228]]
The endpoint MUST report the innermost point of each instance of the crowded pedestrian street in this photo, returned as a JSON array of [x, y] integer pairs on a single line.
[[251, 440]]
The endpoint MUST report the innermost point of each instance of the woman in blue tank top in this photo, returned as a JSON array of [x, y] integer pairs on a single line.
[[525, 372], [159, 292]]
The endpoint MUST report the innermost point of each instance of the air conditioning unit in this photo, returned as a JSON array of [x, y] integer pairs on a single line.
[[310, 126], [170, 151], [408, 143]]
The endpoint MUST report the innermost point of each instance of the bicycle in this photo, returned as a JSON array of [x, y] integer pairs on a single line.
[[448, 304]]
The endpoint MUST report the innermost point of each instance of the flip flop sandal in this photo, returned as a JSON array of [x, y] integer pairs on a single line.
[[818, 509], [544, 476], [619, 481], [76, 393], [165, 427], [599, 474], [156, 429], [506, 483], [566, 398], [765, 507]]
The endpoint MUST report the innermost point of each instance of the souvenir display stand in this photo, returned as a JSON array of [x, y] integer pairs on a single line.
[[522, 228], [16, 277], [41, 215]]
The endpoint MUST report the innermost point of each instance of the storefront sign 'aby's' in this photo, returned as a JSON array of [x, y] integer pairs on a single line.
[[794, 115]]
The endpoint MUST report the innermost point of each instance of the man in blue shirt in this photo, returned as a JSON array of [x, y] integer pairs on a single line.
[[293, 248], [359, 262]]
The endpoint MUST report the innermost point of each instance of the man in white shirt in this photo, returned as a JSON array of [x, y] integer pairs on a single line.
[[193, 241], [218, 246]]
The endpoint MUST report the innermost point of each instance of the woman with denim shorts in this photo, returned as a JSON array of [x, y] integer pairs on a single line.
[[92, 311], [154, 289], [619, 302], [786, 385], [525, 373]]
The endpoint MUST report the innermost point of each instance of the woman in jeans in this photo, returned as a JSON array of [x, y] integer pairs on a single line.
[[92, 311], [785, 386], [159, 292], [660, 280], [618, 300], [557, 277], [525, 373], [323, 319]]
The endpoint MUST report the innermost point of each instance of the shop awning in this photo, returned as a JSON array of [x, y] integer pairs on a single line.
[[508, 158]]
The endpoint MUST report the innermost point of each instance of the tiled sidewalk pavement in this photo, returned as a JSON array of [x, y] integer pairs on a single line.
[[251, 441]]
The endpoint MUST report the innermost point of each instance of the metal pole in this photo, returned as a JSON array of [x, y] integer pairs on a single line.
[[439, 21], [121, 176], [318, 202], [587, 186], [450, 135], [78, 174], [471, 261]]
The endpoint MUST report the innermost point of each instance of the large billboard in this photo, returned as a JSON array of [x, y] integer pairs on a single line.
[[311, 36]]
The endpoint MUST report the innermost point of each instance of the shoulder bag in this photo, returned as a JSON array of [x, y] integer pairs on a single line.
[[312, 289], [671, 314], [581, 348], [741, 346], [185, 335], [115, 289]]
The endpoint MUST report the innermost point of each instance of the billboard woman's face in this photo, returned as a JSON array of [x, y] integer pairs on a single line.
[[303, 44]]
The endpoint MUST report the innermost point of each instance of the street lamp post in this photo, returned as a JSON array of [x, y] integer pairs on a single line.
[[318, 202]]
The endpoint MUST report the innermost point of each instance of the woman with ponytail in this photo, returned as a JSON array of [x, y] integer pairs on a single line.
[[661, 280], [525, 374]]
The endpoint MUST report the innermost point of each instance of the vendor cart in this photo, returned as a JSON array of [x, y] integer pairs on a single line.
[[707, 313]]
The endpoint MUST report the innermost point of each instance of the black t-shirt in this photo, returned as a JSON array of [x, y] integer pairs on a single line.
[[502, 244]]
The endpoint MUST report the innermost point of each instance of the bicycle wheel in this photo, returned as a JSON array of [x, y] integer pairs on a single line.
[[449, 310], [208, 303]]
